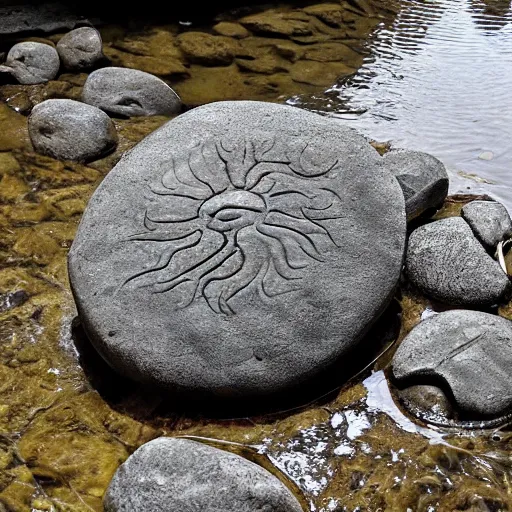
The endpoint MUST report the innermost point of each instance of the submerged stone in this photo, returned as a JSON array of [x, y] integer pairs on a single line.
[[178, 474], [423, 179], [447, 263], [33, 63], [469, 351], [81, 48], [71, 130], [489, 221], [130, 92], [236, 259]]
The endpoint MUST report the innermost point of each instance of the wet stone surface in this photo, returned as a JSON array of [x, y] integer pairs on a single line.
[[71, 130], [469, 353], [489, 221], [447, 263], [165, 474], [231, 213]]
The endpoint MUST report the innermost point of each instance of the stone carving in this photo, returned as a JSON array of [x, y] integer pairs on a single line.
[[238, 251], [254, 218]]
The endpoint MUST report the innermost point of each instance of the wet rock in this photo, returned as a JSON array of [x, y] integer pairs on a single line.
[[318, 73], [333, 52], [489, 221], [283, 24], [332, 14], [17, 17], [129, 92], [81, 48], [70, 130], [447, 263], [178, 474], [427, 402], [33, 63], [206, 49], [423, 179], [231, 29], [469, 351], [231, 213]]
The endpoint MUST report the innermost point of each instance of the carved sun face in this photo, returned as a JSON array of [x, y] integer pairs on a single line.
[[230, 215]]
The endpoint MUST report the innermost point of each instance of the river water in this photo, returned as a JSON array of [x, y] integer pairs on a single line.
[[437, 80]]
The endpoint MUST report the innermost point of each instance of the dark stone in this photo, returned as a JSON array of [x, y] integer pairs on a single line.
[[71, 130], [447, 263], [423, 179], [489, 221], [470, 352], [235, 259], [178, 474], [130, 92]]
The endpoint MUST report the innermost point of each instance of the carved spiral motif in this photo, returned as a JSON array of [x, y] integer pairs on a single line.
[[234, 214]]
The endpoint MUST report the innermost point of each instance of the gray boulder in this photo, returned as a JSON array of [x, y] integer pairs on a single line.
[[469, 351], [489, 221], [70, 130], [423, 179], [33, 63], [81, 48], [228, 254], [130, 92], [447, 263], [178, 474]]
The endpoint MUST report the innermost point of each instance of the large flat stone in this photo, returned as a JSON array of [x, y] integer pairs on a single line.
[[239, 250]]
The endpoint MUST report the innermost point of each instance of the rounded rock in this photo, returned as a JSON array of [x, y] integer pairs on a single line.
[[130, 92], [235, 260], [489, 221], [33, 63], [81, 48], [178, 474], [447, 263], [423, 179], [71, 130], [469, 351]]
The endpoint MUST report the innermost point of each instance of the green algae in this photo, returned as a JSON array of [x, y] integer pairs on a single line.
[[67, 421]]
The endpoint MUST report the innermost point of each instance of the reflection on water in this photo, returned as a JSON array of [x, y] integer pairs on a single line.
[[438, 80]]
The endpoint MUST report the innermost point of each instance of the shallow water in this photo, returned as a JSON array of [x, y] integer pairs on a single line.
[[437, 80], [67, 421]]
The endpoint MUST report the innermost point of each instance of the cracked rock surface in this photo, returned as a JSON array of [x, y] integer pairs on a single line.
[[32, 62], [470, 352], [178, 474], [447, 263]]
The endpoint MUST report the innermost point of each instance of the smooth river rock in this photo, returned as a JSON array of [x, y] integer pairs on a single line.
[[423, 179], [447, 263], [130, 92], [178, 474], [33, 63], [71, 130], [470, 351], [489, 221], [237, 251], [81, 48]]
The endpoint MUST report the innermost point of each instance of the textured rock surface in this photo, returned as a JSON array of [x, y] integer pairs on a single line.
[[130, 92], [177, 474], [470, 351], [239, 234], [33, 63], [207, 49], [423, 179], [489, 221], [81, 48], [71, 130], [447, 263]]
